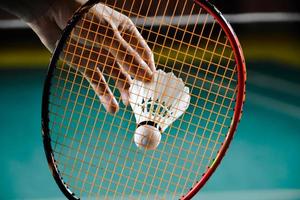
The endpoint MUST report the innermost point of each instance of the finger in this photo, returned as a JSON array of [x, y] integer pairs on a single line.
[[122, 81], [85, 61], [121, 78], [108, 36], [85, 32], [104, 60], [126, 56], [131, 34], [100, 86]]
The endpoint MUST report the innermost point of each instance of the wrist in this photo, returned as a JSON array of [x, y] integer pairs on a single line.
[[62, 10], [48, 25]]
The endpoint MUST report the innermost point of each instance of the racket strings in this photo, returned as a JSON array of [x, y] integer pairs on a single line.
[[201, 141], [116, 174], [215, 146], [181, 147], [211, 82], [216, 83], [190, 65], [169, 156], [126, 148], [72, 141], [224, 77], [111, 162], [181, 43], [191, 123], [186, 73]]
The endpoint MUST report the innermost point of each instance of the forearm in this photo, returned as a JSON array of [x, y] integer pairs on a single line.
[[27, 10], [46, 17]]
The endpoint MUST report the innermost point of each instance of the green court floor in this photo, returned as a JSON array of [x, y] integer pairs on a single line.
[[263, 161]]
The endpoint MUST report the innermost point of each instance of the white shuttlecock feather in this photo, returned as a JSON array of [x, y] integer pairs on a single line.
[[156, 105]]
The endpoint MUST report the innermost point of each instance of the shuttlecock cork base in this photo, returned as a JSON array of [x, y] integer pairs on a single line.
[[147, 135], [156, 105]]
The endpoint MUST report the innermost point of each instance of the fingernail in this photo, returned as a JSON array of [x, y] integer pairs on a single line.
[[148, 76], [152, 64], [125, 97]]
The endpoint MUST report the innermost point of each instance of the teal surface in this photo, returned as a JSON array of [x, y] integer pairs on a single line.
[[264, 155]]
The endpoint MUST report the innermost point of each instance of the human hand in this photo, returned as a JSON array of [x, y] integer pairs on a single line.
[[109, 39]]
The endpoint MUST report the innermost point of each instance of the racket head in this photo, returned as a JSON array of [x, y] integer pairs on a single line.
[[239, 97]]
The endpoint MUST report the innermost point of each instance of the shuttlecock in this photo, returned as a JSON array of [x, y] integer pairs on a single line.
[[156, 105]]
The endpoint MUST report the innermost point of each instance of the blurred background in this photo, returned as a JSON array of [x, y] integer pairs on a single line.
[[263, 161]]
